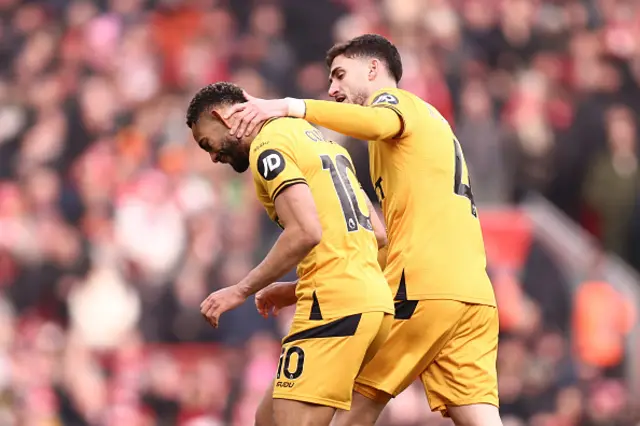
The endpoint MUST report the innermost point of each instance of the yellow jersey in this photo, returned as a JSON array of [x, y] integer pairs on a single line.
[[436, 249], [341, 275]]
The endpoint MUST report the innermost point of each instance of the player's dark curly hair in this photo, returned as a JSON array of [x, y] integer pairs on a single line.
[[370, 46], [213, 95]]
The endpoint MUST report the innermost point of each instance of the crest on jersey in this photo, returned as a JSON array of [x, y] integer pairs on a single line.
[[270, 164], [385, 98]]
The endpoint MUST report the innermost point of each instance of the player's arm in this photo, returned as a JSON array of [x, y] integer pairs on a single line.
[[378, 227], [360, 122], [382, 120], [287, 291], [380, 233], [297, 213], [275, 297]]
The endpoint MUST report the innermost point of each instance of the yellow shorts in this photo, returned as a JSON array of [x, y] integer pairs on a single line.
[[320, 359], [452, 346]]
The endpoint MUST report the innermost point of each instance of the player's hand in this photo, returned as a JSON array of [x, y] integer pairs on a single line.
[[220, 302], [275, 297], [245, 117]]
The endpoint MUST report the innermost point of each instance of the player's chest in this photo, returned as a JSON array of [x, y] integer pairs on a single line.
[[386, 170]]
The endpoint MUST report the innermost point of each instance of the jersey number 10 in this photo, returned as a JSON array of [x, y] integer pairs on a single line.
[[460, 188], [353, 216]]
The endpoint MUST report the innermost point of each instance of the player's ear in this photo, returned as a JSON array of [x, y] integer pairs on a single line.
[[217, 116], [374, 68]]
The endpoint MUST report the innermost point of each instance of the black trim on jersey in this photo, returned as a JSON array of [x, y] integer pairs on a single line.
[[316, 313], [402, 289], [343, 327], [277, 221], [403, 125], [405, 309], [285, 184]]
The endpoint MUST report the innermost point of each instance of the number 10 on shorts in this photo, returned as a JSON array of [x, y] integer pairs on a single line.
[[286, 360]]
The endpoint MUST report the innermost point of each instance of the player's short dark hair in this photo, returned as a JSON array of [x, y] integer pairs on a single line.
[[211, 96], [371, 46]]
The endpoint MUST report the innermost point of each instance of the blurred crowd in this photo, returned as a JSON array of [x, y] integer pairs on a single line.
[[114, 226]]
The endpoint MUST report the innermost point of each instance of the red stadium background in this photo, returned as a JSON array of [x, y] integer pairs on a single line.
[[114, 226]]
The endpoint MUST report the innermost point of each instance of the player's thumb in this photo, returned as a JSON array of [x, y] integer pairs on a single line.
[[259, 304]]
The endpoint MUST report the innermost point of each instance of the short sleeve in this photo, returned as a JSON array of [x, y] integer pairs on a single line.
[[396, 101], [274, 165]]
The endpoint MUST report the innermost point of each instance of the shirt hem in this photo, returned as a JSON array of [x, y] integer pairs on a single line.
[[330, 314], [458, 298]]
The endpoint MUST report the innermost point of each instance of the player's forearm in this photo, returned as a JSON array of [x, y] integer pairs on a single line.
[[287, 290], [291, 247], [382, 257], [378, 228], [357, 121]]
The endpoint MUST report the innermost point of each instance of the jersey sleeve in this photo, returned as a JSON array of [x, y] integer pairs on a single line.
[[274, 166], [399, 103], [357, 121]]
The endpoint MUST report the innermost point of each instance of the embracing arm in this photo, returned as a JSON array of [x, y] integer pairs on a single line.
[[380, 233], [360, 122], [302, 232], [378, 227], [377, 122]]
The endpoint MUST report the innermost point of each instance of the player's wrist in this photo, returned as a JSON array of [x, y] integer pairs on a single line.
[[296, 107], [245, 289]]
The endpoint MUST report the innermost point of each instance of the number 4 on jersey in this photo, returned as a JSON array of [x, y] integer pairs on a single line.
[[460, 188]]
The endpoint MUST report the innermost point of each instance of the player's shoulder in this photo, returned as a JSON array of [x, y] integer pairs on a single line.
[[286, 131], [275, 134], [402, 98], [280, 129], [280, 141], [392, 96], [341, 150]]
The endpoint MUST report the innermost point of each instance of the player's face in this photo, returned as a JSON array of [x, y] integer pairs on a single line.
[[349, 80], [213, 136]]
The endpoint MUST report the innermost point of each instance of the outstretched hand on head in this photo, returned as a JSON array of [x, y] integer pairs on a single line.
[[243, 118]]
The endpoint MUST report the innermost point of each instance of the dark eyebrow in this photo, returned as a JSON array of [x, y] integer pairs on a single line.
[[333, 74]]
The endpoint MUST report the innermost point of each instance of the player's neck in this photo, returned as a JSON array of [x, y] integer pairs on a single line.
[[248, 140], [384, 83]]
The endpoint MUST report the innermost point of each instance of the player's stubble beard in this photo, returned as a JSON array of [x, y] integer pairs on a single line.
[[238, 153], [360, 97]]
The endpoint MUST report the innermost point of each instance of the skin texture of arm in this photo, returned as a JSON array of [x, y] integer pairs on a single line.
[[302, 232], [378, 227], [380, 233], [276, 296]]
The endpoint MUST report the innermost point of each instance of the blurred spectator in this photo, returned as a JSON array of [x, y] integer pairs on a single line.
[[613, 180], [481, 140]]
